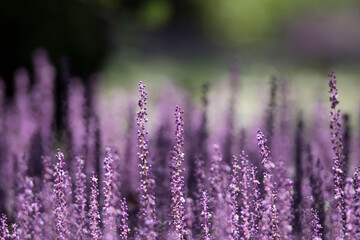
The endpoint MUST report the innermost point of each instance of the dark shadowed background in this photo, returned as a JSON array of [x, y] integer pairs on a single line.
[[190, 41]]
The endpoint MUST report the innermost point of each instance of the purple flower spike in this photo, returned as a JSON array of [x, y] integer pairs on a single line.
[[256, 203], [357, 202], [109, 214], [350, 228], [147, 198], [216, 177], [220, 196], [4, 231], [200, 180], [333, 90], [316, 226], [337, 146], [80, 199], [234, 192], [284, 201], [15, 234], [26, 211], [245, 181], [270, 218], [124, 228], [206, 215], [60, 185], [94, 209], [264, 150], [177, 178]]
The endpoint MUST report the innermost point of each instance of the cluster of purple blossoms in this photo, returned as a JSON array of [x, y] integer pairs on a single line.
[[270, 218], [147, 199], [177, 178], [94, 210], [61, 206], [337, 146], [206, 215], [177, 186]]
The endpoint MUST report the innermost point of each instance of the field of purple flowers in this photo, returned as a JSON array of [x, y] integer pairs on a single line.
[[117, 176]]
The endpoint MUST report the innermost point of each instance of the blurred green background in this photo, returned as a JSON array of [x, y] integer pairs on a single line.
[[189, 41]]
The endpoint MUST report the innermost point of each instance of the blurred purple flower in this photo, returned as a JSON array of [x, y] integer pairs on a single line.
[[80, 200], [337, 146]]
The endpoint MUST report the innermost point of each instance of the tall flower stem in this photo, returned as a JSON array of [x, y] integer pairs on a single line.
[[270, 218], [337, 146], [109, 212], [206, 215], [147, 198], [80, 199], [177, 178], [234, 192], [61, 207], [94, 214]]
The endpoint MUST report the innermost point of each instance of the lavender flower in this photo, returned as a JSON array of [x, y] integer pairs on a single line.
[[337, 146], [216, 177], [124, 228], [38, 221], [94, 214], [48, 175], [316, 184], [347, 137], [206, 215], [234, 191], [26, 212], [117, 179], [285, 199], [24, 199], [350, 229], [221, 196], [256, 203], [109, 214], [285, 203], [40, 204], [316, 226], [177, 179], [270, 219], [61, 221], [147, 199], [200, 180], [356, 187], [245, 214], [4, 231], [80, 199], [15, 234]]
